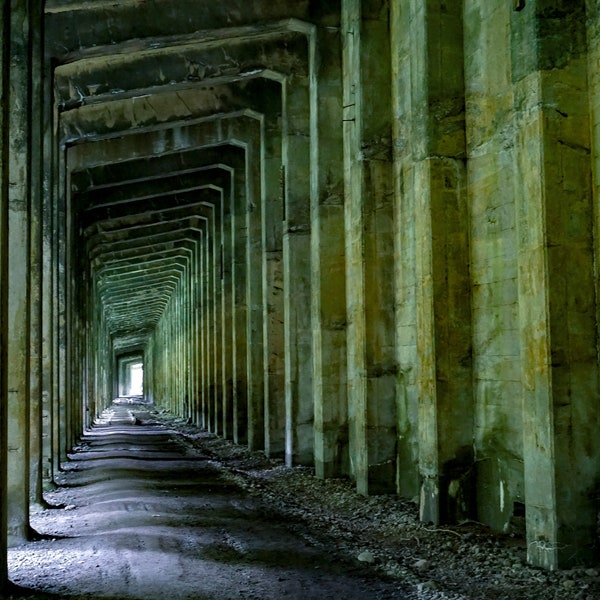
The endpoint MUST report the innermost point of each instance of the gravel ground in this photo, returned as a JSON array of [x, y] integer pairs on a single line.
[[465, 561], [380, 535]]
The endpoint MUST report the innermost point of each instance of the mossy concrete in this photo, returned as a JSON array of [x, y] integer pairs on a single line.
[[359, 234]]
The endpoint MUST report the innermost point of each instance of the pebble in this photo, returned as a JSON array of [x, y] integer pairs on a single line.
[[426, 585], [422, 564], [568, 584], [366, 556]]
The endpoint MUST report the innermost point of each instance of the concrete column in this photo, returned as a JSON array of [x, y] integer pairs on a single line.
[[70, 331], [203, 401], [433, 319], [48, 468], [55, 397], [557, 283], [209, 328], [16, 342], [60, 316], [254, 289], [214, 237], [403, 63], [227, 309], [218, 213], [4, 179], [273, 283], [328, 283], [90, 352], [239, 308], [207, 297], [172, 361], [296, 272], [369, 245], [195, 333], [36, 282], [148, 369], [179, 328], [493, 233], [593, 40], [190, 340], [207, 399]]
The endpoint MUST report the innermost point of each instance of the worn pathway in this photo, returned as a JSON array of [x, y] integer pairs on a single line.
[[145, 516]]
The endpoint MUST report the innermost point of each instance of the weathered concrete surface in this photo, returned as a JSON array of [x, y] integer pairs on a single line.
[[360, 233], [147, 516], [433, 320], [20, 376], [496, 350], [368, 215]]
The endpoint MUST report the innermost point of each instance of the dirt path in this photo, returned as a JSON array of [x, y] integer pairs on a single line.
[[144, 515]]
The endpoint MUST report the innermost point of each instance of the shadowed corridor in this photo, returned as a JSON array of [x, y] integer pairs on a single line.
[[358, 239], [145, 515]]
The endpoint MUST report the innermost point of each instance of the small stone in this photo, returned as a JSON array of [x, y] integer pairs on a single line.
[[422, 564], [366, 556], [591, 572], [568, 584], [426, 585]]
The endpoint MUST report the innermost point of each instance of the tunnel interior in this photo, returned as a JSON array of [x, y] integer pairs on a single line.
[[360, 236]]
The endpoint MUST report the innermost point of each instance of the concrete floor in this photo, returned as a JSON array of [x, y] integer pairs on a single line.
[[144, 516]]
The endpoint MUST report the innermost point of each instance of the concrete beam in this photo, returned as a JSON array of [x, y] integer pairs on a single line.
[[75, 25]]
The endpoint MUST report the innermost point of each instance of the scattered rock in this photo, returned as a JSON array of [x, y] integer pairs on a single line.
[[422, 564], [366, 556], [427, 585]]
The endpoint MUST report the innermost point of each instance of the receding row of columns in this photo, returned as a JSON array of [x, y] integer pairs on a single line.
[[373, 252]]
